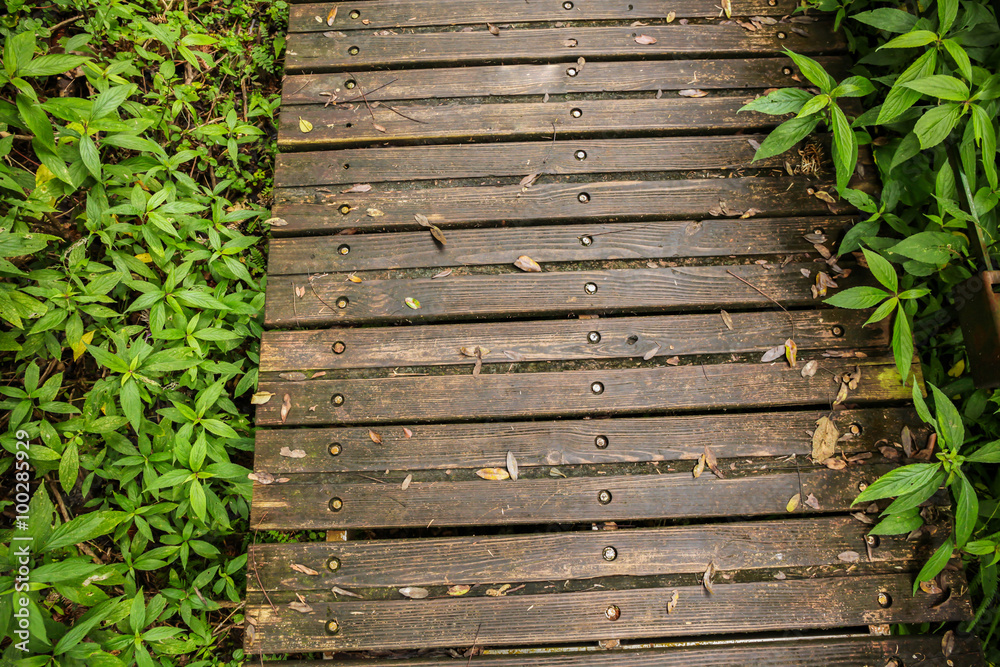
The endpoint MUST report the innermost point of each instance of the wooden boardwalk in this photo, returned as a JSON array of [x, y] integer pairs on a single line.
[[663, 486]]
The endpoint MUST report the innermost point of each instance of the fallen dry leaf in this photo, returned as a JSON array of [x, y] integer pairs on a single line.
[[293, 377], [793, 503], [442, 274], [498, 592], [494, 474], [672, 602], [407, 432], [300, 607], [948, 643], [262, 477], [699, 467], [513, 356], [358, 187], [931, 587], [460, 589], [493, 29], [292, 453], [812, 502], [775, 352], [841, 395], [712, 462], [354, 278], [525, 263], [406, 482], [749, 213], [823, 195], [652, 351], [863, 518], [529, 180], [671, 16], [835, 464], [824, 441], [477, 369], [332, 16], [609, 644], [706, 579], [412, 303], [674, 361], [569, 43], [810, 369], [343, 591], [692, 92], [791, 352], [727, 319], [260, 398], [780, 576], [645, 39], [286, 407], [375, 437], [414, 592], [380, 128], [512, 465], [300, 291], [276, 222], [849, 556], [304, 570]]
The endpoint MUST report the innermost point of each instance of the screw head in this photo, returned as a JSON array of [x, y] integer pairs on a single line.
[[338, 347], [344, 210], [580, 155], [604, 497], [342, 302], [597, 388], [354, 51], [333, 564], [338, 399], [355, 14], [572, 71], [609, 554], [872, 540], [590, 288], [594, 337], [786, 71], [862, 486], [332, 627], [782, 35], [837, 330], [583, 197], [344, 249], [855, 429], [576, 113], [567, 5], [349, 84], [818, 231], [586, 241], [612, 613], [601, 442], [884, 599], [336, 504], [335, 449]]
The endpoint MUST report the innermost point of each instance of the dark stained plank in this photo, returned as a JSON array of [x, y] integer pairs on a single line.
[[602, 156], [733, 547], [552, 79], [537, 619], [296, 301], [352, 125], [555, 340], [306, 502], [774, 652], [564, 243], [362, 49], [569, 442], [313, 211], [569, 393], [411, 13]]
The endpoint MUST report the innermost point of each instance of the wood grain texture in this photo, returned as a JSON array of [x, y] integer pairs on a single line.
[[551, 79], [804, 542], [303, 503], [774, 652], [353, 125], [602, 156], [537, 619], [564, 243], [569, 393], [317, 52], [321, 300], [412, 13], [569, 442], [315, 211], [554, 340]]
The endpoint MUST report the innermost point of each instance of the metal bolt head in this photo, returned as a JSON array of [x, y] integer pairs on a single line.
[[855, 429], [583, 197], [338, 347], [818, 231], [335, 449], [355, 14], [567, 5], [344, 249], [336, 504], [342, 302], [612, 613], [355, 50], [349, 84], [772, 3], [586, 241], [594, 337], [872, 540], [604, 497], [597, 388], [580, 155], [837, 331], [338, 399], [333, 564], [601, 442], [576, 113], [782, 35], [344, 210], [786, 71], [590, 288], [332, 627], [572, 71], [609, 554], [884, 600], [862, 486]]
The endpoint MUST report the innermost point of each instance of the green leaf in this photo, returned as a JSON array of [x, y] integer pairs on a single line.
[[780, 102], [883, 311], [131, 403], [69, 467], [935, 564], [83, 625], [929, 247], [902, 344], [914, 497], [901, 98], [951, 429], [859, 297], [785, 136], [947, 11], [815, 105], [855, 86], [37, 122], [966, 508], [941, 86], [883, 271], [198, 503], [84, 528], [986, 137], [853, 237], [90, 156], [845, 147], [934, 126], [898, 524], [898, 482], [891, 20], [988, 453], [813, 71], [960, 57], [921, 405], [910, 40], [108, 360]]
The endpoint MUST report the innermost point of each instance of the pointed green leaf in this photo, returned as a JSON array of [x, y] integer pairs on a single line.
[[785, 136], [883, 271], [951, 429], [935, 564], [858, 298], [902, 343]]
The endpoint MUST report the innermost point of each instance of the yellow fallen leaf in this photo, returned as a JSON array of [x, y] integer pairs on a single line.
[[727, 7], [354, 279], [81, 346], [670, 19], [304, 125], [793, 503], [957, 369], [493, 473], [791, 352], [699, 467], [525, 263], [412, 303], [459, 590], [332, 16]]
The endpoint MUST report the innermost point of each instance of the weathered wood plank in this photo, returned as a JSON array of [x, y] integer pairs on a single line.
[[551, 79], [774, 652], [333, 299], [804, 542], [569, 393], [313, 211], [564, 243], [555, 340], [305, 503], [420, 163], [414, 13], [568, 442], [504, 621], [352, 125], [362, 49]]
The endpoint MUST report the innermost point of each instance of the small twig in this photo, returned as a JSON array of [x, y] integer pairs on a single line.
[[373, 90], [253, 563], [472, 651], [397, 111], [361, 89], [66, 22], [67, 518], [332, 310], [761, 292], [374, 479]]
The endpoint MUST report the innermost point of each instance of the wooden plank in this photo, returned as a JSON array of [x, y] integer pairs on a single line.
[[313, 211], [503, 621], [568, 393], [560, 340], [774, 652], [607, 156], [362, 49], [353, 125], [306, 502], [551, 79], [564, 243], [804, 542], [295, 301], [413, 13], [568, 442]]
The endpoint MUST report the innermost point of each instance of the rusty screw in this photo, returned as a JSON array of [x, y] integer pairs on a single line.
[[576, 113], [862, 486], [604, 497], [601, 442], [612, 613], [338, 399], [580, 155], [335, 449], [590, 288], [567, 5], [332, 627], [344, 249], [572, 71], [609, 553], [355, 50], [782, 35], [586, 241], [583, 197], [872, 541], [339, 347], [884, 600], [336, 504], [333, 564]]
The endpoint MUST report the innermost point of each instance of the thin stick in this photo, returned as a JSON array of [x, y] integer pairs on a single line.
[[472, 651], [373, 90], [361, 89], [400, 113], [759, 291]]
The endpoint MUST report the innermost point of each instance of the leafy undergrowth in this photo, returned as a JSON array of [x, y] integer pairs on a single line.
[[927, 76], [136, 156]]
